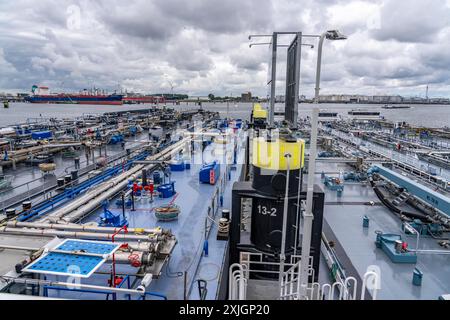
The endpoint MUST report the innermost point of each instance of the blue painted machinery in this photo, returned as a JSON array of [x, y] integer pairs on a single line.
[[334, 183], [395, 248], [238, 123], [111, 219], [41, 135], [222, 124], [431, 197], [210, 173], [115, 139], [426, 229], [326, 154], [356, 177], [133, 130], [167, 190]]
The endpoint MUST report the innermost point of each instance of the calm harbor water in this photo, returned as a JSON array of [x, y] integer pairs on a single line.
[[422, 115]]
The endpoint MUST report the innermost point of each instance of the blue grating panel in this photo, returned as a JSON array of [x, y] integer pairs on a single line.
[[67, 264], [73, 264], [87, 246]]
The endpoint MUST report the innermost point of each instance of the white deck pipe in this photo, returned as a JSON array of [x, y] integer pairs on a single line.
[[78, 235], [94, 198], [77, 227], [140, 290]]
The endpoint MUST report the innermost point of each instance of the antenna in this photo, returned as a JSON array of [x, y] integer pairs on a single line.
[[171, 87]]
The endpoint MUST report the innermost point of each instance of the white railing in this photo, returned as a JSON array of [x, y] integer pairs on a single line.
[[347, 290], [290, 284], [251, 261], [237, 284]]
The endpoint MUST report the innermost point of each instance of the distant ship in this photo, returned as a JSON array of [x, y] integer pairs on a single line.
[[143, 99], [40, 94], [364, 114], [395, 107]]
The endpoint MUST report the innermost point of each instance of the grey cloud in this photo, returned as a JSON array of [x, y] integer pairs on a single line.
[[412, 20], [202, 46]]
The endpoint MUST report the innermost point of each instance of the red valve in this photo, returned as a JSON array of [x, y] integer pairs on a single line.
[[404, 245], [134, 260]]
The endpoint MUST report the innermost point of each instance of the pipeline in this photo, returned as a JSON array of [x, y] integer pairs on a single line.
[[84, 228], [55, 202], [79, 235], [94, 198], [140, 290], [140, 251], [11, 247]]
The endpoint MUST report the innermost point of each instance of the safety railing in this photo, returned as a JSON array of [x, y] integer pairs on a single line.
[[107, 293], [253, 261], [237, 285], [339, 290], [290, 284], [346, 290]]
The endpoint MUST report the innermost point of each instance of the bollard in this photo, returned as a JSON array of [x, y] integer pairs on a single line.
[[11, 212], [226, 214], [74, 174], [60, 182], [26, 205]]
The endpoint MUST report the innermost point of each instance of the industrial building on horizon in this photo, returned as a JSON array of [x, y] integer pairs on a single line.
[[248, 97], [379, 99]]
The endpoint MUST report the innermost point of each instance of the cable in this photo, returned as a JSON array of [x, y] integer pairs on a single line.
[[181, 273], [217, 274]]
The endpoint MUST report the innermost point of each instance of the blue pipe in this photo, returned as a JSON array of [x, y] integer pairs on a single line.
[[127, 278], [46, 288], [57, 201], [155, 294], [65, 195]]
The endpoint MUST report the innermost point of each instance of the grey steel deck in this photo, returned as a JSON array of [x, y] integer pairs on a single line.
[[359, 244]]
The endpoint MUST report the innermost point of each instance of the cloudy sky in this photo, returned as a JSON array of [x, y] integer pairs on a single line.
[[201, 47]]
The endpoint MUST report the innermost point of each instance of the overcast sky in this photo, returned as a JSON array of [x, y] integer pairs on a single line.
[[201, 47]]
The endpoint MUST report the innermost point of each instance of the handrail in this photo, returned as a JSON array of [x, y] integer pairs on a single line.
[[346, 295], [237, 283], [46, 288], [154, 294], [375, 281]]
